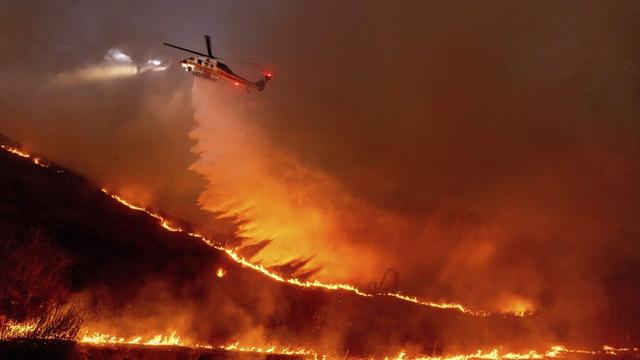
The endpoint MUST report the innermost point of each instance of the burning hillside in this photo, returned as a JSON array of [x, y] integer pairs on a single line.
[[137, 277], [418, 179]]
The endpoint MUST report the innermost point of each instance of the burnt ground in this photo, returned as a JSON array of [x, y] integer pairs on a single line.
[[53, 350], [69, 350], [129, 267]]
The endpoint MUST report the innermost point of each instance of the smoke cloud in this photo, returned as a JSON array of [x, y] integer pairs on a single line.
[[269, 192], [493, 162], [488, 153]]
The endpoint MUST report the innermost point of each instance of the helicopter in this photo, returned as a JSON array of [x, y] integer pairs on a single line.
[[208, 66]]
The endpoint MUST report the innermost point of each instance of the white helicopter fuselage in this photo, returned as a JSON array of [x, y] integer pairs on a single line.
[[213, 70]]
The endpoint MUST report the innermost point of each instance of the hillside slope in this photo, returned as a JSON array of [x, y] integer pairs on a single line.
[[133, 277]]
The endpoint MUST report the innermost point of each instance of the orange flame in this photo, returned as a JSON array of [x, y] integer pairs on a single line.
[[157, 340], [556, 351], [16, 151], [166, 224], [294, 281], [12, 330], [269, 349], [172, 339]]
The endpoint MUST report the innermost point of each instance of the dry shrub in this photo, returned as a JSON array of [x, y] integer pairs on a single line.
[[60, 323], [32, 274], [33, 288], [57, 323]]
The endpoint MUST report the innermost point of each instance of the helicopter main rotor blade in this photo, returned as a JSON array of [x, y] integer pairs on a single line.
[[187, 50], [209, 55], [208, 41], [240, 61]]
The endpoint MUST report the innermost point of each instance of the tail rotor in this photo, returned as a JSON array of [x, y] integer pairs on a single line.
[[260, 84]]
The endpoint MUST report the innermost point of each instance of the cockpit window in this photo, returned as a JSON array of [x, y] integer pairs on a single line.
[[199, 62]]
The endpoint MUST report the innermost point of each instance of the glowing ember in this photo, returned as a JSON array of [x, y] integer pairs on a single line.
[[610, 350], [220, 272]]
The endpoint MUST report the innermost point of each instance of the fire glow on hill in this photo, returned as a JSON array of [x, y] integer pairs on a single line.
[[95, 338], [165, 223]]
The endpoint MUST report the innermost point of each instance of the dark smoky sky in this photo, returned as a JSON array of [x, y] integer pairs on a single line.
[[504, 136]]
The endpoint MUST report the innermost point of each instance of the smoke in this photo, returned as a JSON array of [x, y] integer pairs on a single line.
[[492, 162], [302, 218], [270, 193], [486, 152]]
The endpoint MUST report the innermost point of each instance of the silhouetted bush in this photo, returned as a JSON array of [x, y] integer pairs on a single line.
[[32, 274], [33, 289]]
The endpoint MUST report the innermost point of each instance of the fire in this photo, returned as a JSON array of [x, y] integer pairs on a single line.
[[12, 329], [556, 351], [517, 306], [97, 338], [610, 350], [165, 223], [172, 339], [16, 151], [270, 349], [159, 339], [454, 306]]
